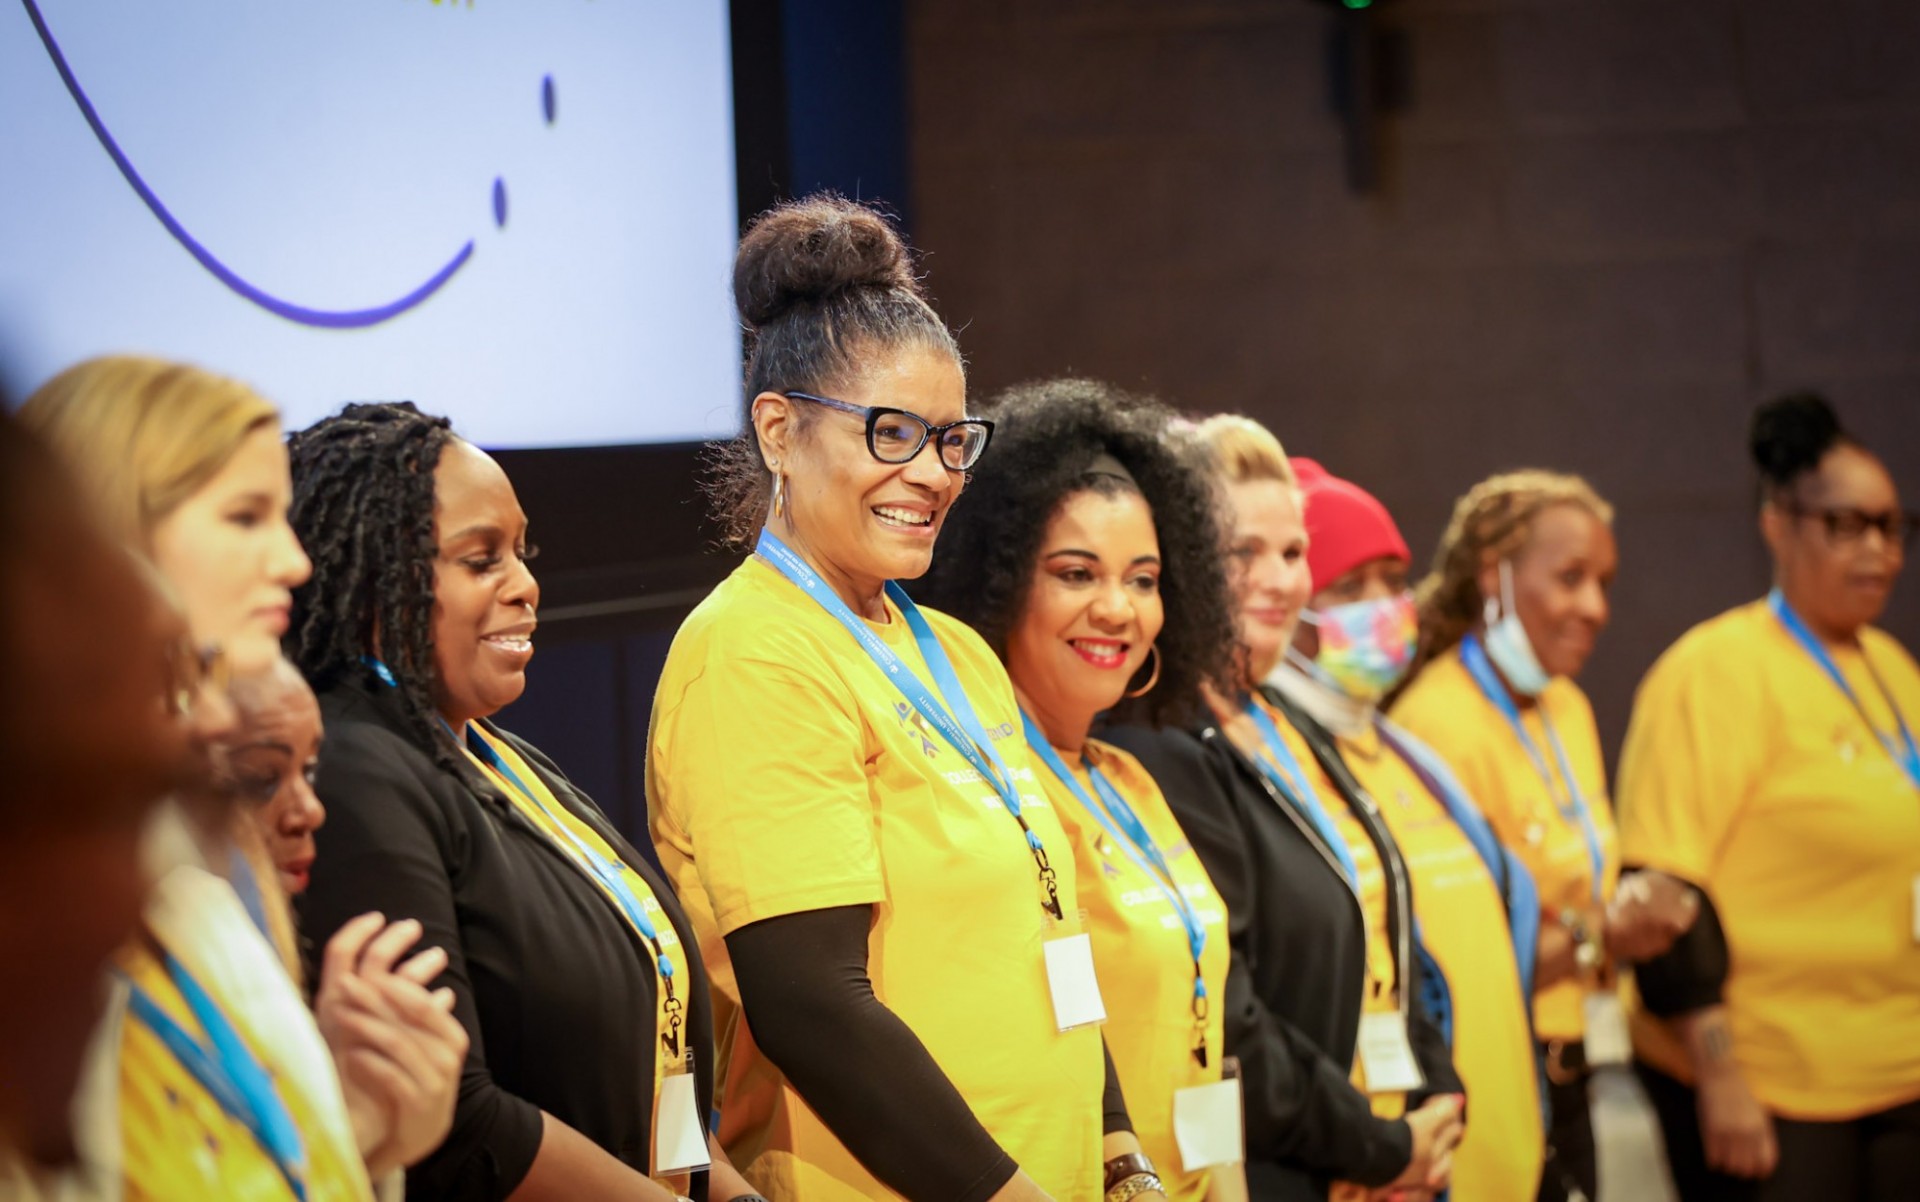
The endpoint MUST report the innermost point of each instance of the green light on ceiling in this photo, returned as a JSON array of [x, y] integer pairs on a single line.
[[1357, 4]]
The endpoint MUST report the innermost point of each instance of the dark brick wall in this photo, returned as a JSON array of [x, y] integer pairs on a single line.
[[1606, 228]]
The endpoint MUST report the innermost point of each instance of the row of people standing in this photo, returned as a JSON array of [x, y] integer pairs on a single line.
[[1102, 875]]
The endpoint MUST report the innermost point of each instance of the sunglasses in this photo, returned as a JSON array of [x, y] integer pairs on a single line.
[[896, 436]]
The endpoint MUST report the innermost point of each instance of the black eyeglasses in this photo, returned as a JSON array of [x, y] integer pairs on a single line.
[[1844, 525], [896, 436]]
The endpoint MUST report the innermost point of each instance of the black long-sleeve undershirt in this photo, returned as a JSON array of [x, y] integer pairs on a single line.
[[808, 997]]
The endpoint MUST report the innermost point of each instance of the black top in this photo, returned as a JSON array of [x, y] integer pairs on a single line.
[[555, 988], [1296, 972]]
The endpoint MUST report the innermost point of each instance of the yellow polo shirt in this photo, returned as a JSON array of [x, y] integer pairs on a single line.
[[785, 774], [1145, 962], [1445, 709], [177, 1141], [1748, 772], [1463, 922]]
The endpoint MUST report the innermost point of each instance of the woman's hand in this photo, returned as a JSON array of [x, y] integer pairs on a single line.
[[1734, 1126], [1648, 912], [396, 1046], [1437, 1127]]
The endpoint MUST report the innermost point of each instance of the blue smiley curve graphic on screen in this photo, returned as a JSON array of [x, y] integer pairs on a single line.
[[326, 318]]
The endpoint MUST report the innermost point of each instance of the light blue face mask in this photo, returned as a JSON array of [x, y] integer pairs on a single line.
[[1507, 643]]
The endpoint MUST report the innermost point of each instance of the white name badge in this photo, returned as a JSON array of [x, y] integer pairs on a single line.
[[1207, 1125], [1386, 1055], [679, 1142], [1607, 1040], [1075, 986]]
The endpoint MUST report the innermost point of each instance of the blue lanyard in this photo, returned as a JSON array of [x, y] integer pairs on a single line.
[[612, 874], [228, 1071], [1120, 822], [1474, 657], [1282, 768], [963, 733], [1904, 752]]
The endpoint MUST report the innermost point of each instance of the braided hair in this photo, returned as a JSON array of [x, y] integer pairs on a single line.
[[1494, 520], [1049, 435], [363, 507]]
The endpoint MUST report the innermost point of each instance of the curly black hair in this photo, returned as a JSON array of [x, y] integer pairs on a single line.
[[821, 284], [363, 506], [1047, 436]]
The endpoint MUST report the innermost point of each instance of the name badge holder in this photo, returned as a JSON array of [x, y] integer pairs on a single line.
[[1068, 960], [1383, 1047], [1117, 818], [1386, 1053], [680, 1139], [1209, 1122]]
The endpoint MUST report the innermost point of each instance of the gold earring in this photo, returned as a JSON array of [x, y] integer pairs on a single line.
[[779, 495], [1153, 650]]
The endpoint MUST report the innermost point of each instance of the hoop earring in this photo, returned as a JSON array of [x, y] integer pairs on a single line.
[[779, 494], [1153, 650]]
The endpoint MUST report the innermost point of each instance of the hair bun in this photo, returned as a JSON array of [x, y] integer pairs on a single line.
[[1790, 434], [806, 251]]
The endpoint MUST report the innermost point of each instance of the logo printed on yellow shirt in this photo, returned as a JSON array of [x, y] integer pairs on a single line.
[[915, 725]]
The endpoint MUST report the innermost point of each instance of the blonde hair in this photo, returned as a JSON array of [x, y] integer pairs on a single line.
[[1493, 521], [1243, 450], [142, 435]]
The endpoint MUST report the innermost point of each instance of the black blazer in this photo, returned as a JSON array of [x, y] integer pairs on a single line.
[[553, 985], [1297, 968]]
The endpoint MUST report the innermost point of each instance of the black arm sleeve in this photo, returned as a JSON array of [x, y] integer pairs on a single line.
[[1692, 974], [810, 1004], [1113, 1100]]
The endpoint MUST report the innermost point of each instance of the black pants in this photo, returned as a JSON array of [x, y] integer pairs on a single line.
[[1871, 1159], [1571, 1160]]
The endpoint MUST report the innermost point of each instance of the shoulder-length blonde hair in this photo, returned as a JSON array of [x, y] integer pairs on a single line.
[[142, 435]]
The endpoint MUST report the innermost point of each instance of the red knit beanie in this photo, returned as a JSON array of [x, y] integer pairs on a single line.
[[1346, 525]]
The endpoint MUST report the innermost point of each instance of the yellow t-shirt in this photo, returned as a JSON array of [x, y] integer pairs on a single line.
[[563, 827], [177, 1141], [1141, 951], [1464, 925], [1749, 773], [1445, 709], [785, 774]]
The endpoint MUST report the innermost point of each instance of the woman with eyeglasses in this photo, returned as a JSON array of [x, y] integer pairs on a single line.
[[1771, 765], [839, 783]]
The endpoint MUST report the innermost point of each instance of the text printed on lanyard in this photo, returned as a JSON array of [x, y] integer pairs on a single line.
[[228, 1070], [1903, 751], [1125, 828], [955, 719], [1575, 808]]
